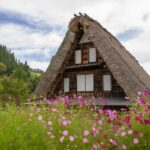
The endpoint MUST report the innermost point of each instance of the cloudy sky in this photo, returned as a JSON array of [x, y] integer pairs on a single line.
[[34, 29]]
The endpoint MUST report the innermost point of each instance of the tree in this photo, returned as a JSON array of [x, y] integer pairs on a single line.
[[33, 82], [11, 88], [16, 70], [3, 68]]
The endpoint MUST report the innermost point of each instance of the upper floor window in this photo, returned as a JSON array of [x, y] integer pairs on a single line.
[[78, 57], [92, 55]]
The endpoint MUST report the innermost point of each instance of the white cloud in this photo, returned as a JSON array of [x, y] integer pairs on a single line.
[[38, 65], [16, 36], [115, 15]]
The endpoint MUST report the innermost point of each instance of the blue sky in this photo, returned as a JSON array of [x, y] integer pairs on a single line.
[[34, 30]]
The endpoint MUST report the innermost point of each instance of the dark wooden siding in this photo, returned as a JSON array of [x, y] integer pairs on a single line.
[[98, 69]]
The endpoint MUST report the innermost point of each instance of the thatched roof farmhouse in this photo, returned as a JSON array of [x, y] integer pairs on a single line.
[[112, 62]]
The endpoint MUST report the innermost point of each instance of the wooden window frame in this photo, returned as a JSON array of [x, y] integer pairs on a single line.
[[69, 85], [90, 55], [110, 82], [85, 89], [76, 58]]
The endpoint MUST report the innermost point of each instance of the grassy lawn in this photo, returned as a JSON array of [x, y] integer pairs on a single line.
[[55, 125]]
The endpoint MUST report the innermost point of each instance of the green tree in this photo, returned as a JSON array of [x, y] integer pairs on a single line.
[[33, 82], [3, 68], [13, 68], [11, 88]]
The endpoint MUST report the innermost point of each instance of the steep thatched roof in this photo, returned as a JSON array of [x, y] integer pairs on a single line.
[[123, 66]]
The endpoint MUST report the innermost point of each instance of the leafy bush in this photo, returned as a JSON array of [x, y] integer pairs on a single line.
[[11, 88], [3, 68]]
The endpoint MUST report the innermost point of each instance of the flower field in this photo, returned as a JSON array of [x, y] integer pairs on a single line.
[[55, 124]]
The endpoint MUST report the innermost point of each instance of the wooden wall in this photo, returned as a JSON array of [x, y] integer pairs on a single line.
[[98, 71], [98, 82]]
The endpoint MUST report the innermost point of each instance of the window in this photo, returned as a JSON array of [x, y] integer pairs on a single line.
[[89, 82], [80, 82], [78, 57], [92, 55], [85, 82], [107, 86], [66, 84]]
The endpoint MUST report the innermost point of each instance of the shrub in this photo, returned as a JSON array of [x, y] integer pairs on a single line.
[[11, 88]]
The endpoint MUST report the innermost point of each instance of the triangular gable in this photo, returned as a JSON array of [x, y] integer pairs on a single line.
[[123, 66]]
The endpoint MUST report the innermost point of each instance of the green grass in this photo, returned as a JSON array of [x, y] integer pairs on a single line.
[[35, 74], [20, 128]]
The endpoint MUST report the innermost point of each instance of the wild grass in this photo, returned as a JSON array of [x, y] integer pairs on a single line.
[[57, 125]]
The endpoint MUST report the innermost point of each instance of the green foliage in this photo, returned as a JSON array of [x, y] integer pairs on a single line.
[[12, 88], [14, 72], [41, 126], [8, 58], [22, 72], [34, 80], [17, 132], [3, 68]]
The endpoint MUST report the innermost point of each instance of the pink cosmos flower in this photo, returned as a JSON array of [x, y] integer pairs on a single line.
[[61, 139], [127, 119], [100, 122], [113, 142], [123, 128], [123, 134], [115, 127], [86, 132], [93, 128], [80, 97], [54, 110], [135, 132], [130, 132], [142, 101], [64, 123], [49, 123], [65, 132], [85, 140], [137, 118], [127, 98], [74, 96], [146, 93], [100, 111], [148, 107], [130, 126], [139, 93], [71, 138], [66, 97], [124, 146], [40, 118], [103, 145], [135, 141], [141, 135], [52, 136]]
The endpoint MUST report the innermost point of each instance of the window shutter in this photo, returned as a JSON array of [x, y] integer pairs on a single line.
[[107, 85], [92, 55], [78, 57], [80, 82], [89, 82], [66, 84]]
